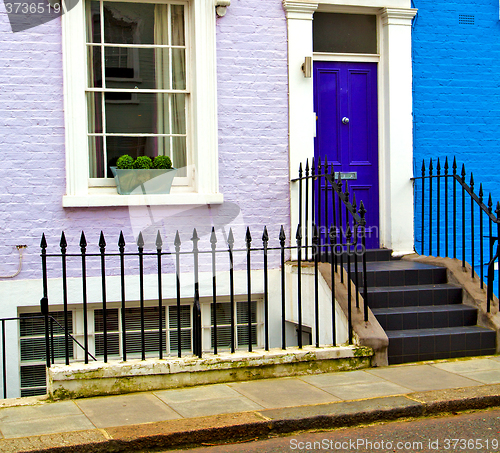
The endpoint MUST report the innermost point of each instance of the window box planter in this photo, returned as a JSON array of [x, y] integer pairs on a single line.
[[143, 182]]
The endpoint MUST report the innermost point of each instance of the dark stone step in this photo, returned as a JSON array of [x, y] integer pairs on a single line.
[[441, 343], [426, 317], [414, 295], [401, 273]]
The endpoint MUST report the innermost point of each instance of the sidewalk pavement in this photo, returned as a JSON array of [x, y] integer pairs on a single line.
[[251, 409]]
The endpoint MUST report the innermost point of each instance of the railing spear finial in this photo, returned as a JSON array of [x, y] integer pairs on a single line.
[[471, 183], [63, 244], [102, 241], [159, 242], [481, 192], [121, 241], [463, 174], [490, 204], [438, 167], [423, 167], [446, 166], [430, 168], [140, 241]]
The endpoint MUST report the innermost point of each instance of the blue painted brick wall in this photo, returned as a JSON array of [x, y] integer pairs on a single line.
[[456, 70]]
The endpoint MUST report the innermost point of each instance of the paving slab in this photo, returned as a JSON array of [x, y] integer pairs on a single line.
[[342, 378], [51, 425], [364, 391], [128, 409], [272, 393], [204, 392], [203, 408], [467, 366], [485, 376], [422, 377], [36, 412]]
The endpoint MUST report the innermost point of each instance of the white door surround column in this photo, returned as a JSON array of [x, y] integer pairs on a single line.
[[395, 107]]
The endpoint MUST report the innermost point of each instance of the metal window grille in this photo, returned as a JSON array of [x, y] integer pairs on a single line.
[[32, 340]]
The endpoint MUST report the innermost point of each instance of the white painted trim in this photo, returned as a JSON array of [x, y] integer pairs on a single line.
[[354, 57], [204, 142], [96, 200]]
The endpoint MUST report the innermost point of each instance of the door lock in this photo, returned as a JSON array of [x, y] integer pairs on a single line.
[[345, 120]]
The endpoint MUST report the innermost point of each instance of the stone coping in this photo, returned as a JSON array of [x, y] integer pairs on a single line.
[[115, 377]]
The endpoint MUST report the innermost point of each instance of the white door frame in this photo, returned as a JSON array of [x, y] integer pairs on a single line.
[[394, 19]]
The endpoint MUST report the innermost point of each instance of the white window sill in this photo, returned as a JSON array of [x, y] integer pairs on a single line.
[[100, 197]]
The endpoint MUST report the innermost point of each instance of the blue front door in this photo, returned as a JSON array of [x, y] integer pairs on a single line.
[[345, 102]]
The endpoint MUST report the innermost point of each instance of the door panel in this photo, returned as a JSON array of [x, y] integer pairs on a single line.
[[349, 90]]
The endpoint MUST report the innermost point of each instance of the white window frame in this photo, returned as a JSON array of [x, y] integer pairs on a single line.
[[203, 141]]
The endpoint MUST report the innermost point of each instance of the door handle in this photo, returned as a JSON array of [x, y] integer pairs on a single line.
[[345, 120]]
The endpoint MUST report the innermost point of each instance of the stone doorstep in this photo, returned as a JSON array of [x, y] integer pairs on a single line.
[[97, 378]]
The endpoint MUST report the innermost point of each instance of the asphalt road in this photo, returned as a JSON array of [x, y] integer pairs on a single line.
[[468, 432]]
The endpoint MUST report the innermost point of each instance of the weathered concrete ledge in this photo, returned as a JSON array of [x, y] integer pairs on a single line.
[[79, 380]]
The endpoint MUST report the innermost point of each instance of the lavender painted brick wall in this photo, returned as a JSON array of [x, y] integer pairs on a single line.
[[253, 140]]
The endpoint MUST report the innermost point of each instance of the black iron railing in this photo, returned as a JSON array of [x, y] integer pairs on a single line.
[[328, 210], [451, 219], [222, 253]]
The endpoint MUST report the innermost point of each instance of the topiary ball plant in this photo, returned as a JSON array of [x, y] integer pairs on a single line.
[[125, 162], [162, 162], [143, 163]]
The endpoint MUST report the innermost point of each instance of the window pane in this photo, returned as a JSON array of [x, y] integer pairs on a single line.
[[95, 65], [178, 113], [178, 69], [178, 25], [96, 158], [94, 108], [344, 33], [129, 23], [179, 154], [94, 29], [136, 113]]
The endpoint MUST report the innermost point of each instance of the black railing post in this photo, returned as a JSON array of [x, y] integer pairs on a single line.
[[362, 214], [213, 244], [340, 229], [463, 215], [481, 233], [102, 249], [177, 244], [313, 192], [197, 347], [4, 360], [44, 308], [121, 247], [248, 242], [490, 212], [423, 206], [332, 276], [430, 207], [323, 233], [159, 245], [300, 193], [230, 244], [282, 239], [307, 209], [265, 240], [454, 168], [140, 247], [355, 243], [315, 241], [320, 199], [83, 249], [348, 283], [446, 206], [63, 244], [472, 225], [438, 206], [299, 284]]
